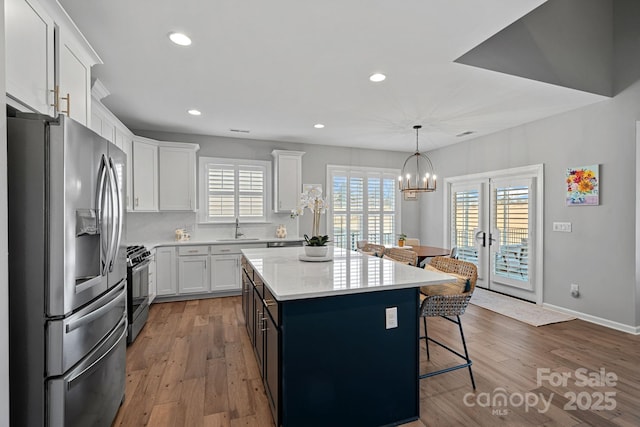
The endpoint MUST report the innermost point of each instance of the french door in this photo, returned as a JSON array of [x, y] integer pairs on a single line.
[[495, 222]]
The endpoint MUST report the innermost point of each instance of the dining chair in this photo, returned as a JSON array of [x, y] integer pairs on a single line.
[[454, 253], [411, 241], [373, 249], [449, 301], [402, 255]]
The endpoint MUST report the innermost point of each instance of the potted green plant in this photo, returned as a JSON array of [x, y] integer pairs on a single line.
[[316, 245], [401, 238]]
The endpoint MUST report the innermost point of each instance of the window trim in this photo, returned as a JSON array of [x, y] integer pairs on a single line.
[[234, 163], [365, 172]]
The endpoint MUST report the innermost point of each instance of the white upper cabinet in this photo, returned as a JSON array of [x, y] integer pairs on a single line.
[[46, 73], [74, 81], [145, 175], [287, 183], [127, 147], [177, 172], [29, 55]]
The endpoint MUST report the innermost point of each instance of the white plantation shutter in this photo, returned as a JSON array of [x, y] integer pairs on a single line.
[[233, 189], [220, 191], [250, 191], [511, 201], [464, 221], [363, 205]]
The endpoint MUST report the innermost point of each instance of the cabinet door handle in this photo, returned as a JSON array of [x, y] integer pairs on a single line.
[[137, 201], [193, 251], [68, 110], [269, 302], [225, 250]]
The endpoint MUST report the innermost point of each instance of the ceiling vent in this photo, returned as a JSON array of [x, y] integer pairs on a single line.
[[465, 133]]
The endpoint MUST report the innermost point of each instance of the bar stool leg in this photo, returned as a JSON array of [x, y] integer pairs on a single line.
[[426, 336], [466, 353]]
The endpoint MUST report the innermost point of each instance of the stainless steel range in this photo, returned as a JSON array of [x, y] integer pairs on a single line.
[[138, 259]]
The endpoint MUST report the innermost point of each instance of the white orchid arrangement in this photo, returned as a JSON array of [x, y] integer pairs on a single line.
[[311, 199]]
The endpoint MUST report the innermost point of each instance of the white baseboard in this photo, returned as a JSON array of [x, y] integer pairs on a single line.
[[635, 330]]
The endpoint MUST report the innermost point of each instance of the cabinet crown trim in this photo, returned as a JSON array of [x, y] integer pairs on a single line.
[[181, 145], [290, 152]]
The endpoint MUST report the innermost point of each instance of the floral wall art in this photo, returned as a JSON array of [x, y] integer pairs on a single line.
[[583, 185]]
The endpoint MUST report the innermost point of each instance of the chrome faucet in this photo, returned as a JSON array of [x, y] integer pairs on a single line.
[[238, 234]]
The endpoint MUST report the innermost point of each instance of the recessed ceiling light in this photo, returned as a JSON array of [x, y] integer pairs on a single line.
[[377, 77], [179, 38], [318, 126], [194, 112]]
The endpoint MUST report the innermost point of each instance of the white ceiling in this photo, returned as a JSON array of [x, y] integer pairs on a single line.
[[278, 67]]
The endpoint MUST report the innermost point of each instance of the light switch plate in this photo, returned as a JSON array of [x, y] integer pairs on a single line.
[[564, 227], [391, 317]]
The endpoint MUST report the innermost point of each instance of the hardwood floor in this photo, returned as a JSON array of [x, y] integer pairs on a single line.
[[193, 366]]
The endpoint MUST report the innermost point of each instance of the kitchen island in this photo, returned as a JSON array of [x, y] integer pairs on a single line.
[[336, 342]]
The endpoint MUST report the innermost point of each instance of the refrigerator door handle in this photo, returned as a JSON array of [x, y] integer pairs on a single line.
[[116, 207], [100, 196], [88, 369], [99, 312]]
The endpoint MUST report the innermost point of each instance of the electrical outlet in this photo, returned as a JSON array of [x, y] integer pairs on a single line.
[[564, 227], [391, 315], [575, 290]]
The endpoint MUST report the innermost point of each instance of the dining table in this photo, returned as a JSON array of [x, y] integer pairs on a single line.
[[424, 252]]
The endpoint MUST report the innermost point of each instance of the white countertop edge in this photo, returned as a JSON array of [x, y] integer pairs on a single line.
[[292, 296], [351, 291], [157, 244]]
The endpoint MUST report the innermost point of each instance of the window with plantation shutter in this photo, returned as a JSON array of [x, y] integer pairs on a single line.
[[464, 221], [233, 188], [363, 205]]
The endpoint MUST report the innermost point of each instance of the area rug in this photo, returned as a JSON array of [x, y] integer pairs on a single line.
[[516, 309]]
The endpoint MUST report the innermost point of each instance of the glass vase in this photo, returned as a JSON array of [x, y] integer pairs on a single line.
[[316, 223]]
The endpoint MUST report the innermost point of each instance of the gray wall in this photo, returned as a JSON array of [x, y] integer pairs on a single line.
[[4, 249], [599, 253], [314, 163]]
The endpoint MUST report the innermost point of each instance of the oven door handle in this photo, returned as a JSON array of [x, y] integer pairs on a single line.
[[93, 315], [140, 266]]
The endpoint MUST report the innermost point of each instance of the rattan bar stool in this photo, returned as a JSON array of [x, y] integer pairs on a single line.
[[449, 301]]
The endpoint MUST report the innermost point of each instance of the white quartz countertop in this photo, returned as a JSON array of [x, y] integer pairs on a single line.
[[289, 278], [231, 241]]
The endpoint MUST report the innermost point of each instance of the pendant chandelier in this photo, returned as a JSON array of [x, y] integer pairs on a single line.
[[417, 172]]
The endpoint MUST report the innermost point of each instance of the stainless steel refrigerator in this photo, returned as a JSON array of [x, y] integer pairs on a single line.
[[67, 273]]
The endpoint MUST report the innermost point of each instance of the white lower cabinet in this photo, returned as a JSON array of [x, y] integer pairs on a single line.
[[193, 274], [225, 273], [195, 271], [166, 283]]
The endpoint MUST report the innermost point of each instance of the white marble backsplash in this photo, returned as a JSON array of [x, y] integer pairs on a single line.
[[161, 226]]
